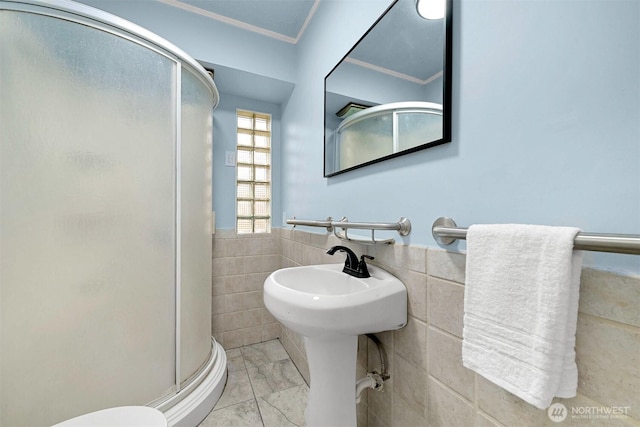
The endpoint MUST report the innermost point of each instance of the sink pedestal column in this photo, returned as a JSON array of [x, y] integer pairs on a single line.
[[332, 393]]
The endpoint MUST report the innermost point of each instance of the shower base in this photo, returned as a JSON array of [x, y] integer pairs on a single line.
[[192, 404]]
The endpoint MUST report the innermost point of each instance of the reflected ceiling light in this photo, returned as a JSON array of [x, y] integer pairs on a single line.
[[431, 9]]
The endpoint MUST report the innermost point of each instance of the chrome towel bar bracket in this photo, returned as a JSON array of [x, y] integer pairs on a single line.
[[445, 231]]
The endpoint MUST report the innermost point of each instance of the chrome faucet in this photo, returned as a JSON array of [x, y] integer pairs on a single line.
[[352, 266]]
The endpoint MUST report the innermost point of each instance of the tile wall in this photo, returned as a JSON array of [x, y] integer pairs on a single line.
[[429, 385], [241, 263]]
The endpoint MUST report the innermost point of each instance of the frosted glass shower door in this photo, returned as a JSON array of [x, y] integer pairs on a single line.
[[87, 220], [195, 233], [365, 140]]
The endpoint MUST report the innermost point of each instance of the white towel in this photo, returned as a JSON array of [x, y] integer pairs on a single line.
[[521, 309]]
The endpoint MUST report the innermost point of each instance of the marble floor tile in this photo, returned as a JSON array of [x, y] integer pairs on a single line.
[[272, 377], [284, 408], [263, 389], [235, 361], [238, 389], [244, 414], [264, 352]]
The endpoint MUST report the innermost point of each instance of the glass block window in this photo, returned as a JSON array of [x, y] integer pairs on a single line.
[[253, 184]]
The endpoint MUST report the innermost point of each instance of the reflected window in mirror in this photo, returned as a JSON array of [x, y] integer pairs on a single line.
[[391, 93]]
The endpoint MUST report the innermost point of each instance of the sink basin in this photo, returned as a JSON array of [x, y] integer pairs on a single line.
[[330, 309], [321, 300]]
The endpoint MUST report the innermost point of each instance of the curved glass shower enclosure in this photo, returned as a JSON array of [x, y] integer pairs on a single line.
[[386, 129], [105, 216]]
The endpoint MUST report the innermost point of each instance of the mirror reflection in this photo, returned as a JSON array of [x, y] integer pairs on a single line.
[[390, 95]]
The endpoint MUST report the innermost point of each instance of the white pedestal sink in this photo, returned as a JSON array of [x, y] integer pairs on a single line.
[[330, 309]]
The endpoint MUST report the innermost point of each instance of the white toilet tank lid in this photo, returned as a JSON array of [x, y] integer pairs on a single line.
[[133, 416]]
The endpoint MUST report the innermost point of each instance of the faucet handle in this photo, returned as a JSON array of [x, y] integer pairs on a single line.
[[362, 266]]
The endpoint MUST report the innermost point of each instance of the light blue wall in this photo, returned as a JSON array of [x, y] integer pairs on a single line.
[[206, 39], [546, 128], [224, 139], [546, 110]]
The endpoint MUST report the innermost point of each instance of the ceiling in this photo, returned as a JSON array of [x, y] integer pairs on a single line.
[[415, 52], [284, 20]]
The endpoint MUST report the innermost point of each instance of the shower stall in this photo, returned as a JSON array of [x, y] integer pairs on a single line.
[[105, 219], [386, 129]]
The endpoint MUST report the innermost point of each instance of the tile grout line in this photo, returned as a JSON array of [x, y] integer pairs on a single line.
[[253, 391]]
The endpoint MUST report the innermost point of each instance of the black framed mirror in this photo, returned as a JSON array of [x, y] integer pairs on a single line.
[[390, 95]]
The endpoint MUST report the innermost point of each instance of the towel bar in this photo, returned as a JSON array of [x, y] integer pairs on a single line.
[[403, 227], [445, 231], [312, 223]]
